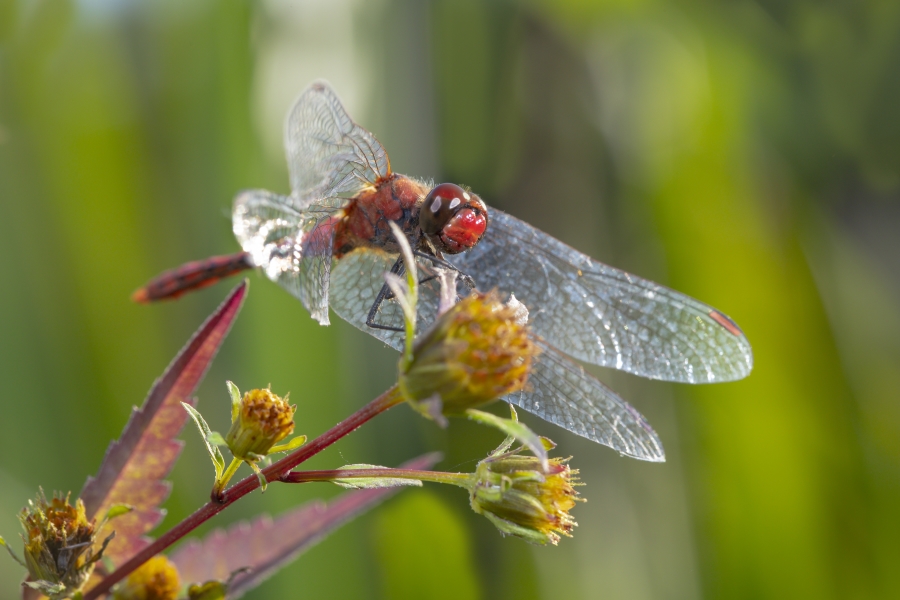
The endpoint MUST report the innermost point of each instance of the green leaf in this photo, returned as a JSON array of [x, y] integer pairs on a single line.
[[259, 475], [214, 453], [373, 482], [117, 510], [510, 528], [292, 445], [512, 427], [506, 444], [215, 438], [235, 400]]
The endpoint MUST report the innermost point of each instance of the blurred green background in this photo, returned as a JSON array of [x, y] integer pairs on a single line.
[[745, 152]]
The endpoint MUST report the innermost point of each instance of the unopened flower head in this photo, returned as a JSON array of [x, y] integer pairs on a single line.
[[476, 352], [521, 499], [59, 544], [262, 420], [156, 579]]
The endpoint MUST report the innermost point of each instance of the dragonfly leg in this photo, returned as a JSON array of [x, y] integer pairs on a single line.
[[384, 293], [440, 262], [398, 268]]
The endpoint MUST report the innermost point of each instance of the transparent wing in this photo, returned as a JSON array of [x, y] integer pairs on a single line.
[[560, 391], [602, 315], [293, 247], [356, 281], [328, 154]]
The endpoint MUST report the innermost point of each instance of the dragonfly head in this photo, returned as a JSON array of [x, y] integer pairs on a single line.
[[452, 218]]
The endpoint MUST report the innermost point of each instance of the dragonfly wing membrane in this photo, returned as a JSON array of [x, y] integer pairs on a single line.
[[561, 392], [558, 389], [603, 315], [293, 247], [356, 280], [328, 154]]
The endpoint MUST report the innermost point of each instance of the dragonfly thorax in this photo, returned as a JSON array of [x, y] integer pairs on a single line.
[[365, 221]]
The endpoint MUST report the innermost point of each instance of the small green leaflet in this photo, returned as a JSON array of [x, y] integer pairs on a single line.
[[371, 483], [214, 453]]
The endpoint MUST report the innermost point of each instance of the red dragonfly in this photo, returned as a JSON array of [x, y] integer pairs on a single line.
[[328, 243]]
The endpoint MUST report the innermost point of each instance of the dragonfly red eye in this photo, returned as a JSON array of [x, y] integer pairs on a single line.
[[453, 218]]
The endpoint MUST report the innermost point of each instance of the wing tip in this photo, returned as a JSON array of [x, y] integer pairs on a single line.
[[657, 458]]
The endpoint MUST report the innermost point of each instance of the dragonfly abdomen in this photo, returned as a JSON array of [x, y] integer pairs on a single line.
[[192, 276]]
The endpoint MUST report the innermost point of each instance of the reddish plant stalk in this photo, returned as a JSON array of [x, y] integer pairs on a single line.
[[273, 472]]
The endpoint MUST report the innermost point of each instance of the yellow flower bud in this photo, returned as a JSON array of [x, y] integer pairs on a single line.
[[263, 419], [59, 545], [476, 352], [156, 579], [514, 493]]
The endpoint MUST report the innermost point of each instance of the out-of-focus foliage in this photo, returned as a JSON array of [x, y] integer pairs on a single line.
[[445, 571], [747, 153]]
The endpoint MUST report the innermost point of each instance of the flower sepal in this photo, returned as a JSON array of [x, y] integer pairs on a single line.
[[515, 430]]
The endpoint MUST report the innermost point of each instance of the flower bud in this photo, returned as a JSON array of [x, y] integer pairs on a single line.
[[521, 500], [476, 352], [156, 579], [262, 420], [59, 545]]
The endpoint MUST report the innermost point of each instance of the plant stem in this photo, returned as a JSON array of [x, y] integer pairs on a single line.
[[462, 480], [273, 472]]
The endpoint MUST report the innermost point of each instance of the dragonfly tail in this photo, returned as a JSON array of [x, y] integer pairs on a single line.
[[191, 276]]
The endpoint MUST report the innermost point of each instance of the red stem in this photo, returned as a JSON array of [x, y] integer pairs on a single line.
[[273, 472]]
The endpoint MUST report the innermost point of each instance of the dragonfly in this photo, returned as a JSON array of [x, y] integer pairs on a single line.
[[328, 243]]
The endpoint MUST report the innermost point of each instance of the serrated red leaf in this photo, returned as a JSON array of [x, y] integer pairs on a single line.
[[133, 468], [266, 544]]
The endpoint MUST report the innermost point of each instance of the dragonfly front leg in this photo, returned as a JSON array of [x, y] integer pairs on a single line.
[[384, 293], [398, 268], [440, 262]]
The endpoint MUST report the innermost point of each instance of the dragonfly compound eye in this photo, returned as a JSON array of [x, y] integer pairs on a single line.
[[453, 218]]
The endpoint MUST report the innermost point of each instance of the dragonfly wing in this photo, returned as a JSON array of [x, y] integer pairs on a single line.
[[293, 247], [355, 282], [603, 315], [561, 392], [328, 154]]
